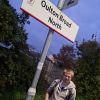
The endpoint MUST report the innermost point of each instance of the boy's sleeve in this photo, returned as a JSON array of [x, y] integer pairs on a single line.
[[73, 94], [53, 84]]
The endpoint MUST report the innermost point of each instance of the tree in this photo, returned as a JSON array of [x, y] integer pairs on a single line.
[[15, 63], [66, 56], [12, 26], [88, 70]]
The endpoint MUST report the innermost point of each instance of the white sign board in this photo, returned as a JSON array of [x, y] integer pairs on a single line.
[[51, 16]]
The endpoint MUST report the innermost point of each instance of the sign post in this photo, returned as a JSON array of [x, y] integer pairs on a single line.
[[56, 21], [69, 3]]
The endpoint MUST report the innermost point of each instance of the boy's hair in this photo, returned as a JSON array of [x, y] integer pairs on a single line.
[[68, 71]]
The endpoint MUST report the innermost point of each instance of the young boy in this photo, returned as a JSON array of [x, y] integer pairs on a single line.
[[62, 89]]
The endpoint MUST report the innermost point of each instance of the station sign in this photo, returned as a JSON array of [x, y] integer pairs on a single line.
[[47, 13]]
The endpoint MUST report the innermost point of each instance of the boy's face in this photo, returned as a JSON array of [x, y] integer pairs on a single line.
[[67, 77]]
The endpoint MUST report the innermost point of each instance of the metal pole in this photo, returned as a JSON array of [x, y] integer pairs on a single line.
[[60, 4], [32, 90]]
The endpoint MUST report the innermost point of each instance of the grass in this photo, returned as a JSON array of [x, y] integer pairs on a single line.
[[14, 95], [79, 98], [17, 95], [39, 97]]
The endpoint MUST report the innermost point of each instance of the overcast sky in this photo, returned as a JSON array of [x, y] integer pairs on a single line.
[[86, 14]]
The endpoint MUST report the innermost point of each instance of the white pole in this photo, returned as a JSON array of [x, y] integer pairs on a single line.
[[32, 90]]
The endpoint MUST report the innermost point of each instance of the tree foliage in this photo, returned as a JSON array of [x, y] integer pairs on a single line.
[[16, 63], [66, 56], [88, 70], [12, 26]]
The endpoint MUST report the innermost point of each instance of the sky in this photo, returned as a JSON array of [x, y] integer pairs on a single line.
[[85, 14]]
